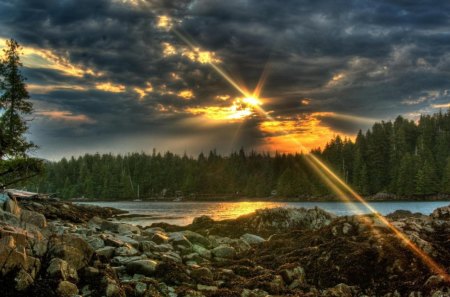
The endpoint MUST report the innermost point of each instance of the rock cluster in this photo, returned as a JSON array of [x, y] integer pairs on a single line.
[[292, 252]]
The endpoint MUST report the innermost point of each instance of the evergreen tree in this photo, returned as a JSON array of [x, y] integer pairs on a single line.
[[445, 184], [15, 164]]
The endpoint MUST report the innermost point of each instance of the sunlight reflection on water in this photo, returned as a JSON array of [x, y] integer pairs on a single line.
[[182, 213]]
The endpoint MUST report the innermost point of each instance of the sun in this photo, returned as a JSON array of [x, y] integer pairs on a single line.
[[252, 101]]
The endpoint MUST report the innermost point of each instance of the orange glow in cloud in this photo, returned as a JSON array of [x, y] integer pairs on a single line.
[[168, 49], [110, 87], [66, 116], [239, 109], [305, 101], [308, 129], [142, 92], [45, 89], [164, 22], [186, 94], [43, 58]]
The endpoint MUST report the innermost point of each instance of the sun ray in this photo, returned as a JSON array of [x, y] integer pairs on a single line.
[[333, 181]]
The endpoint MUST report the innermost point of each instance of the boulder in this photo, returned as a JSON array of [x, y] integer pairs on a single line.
[[120, 228], [126, 250], [32, 217], [441, 213], [171, 256], [202, 274], [23, 280], [120, 260], [14, 258], [196, 238], [293, 275], [340, 290], [66, 289], [145, 267], [224, 252], [178, 239], [72, 249], [12, 207], [95, 242], [140, 288], [160, 238], [252, 239], [254, 293], [201, 251], [60, 269], [107, 251]]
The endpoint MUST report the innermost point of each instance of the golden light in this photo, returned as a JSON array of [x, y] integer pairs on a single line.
[[252, 101], [43, 58], [168, 49], [186, 94], [66, 116], [142, 92], [164, 22], [238, 110], [110, 87]]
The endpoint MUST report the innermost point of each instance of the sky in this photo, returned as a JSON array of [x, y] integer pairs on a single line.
[[190, 76]]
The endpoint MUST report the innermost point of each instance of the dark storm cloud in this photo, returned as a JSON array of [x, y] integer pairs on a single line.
[[387, 58]]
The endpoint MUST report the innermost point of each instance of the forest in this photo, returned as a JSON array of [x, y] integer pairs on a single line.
[[400, 157]]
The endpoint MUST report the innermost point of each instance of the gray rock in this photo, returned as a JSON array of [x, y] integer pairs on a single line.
[[112, 290], [172, 256], [201, 251], [145, 267], [252, 239], [196, 238], [95, 242], [340, 290], [60, 269], [294, 276], [160, 238], [66, 289], [107, 251], [72, 249], [120, 228], [23, 280], [126, 250], [12, 207], [32, 217], [254, 293], [201, 274], [178, 239], [152, 230], [201, 287], [140, 288], [120, 260], [224, 251]]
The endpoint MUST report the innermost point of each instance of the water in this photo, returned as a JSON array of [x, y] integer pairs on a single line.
[[182, 213]]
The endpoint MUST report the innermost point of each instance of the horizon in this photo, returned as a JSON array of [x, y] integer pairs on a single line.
[[190, 76]]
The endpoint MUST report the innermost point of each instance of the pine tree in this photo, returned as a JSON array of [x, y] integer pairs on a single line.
[[14, 102], [445, 184], [15, 164]]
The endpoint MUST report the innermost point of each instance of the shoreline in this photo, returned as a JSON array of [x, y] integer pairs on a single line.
[[406, 199], [60, 249]]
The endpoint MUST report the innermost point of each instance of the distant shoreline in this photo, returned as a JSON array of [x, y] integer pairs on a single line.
[[273, 199]]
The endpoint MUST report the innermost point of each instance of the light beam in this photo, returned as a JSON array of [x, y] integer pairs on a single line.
[[332, 180]]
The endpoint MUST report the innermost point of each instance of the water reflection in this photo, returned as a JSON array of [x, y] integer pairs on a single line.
[[182, 213]]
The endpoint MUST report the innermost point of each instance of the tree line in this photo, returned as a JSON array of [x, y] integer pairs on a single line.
[[399, 157]]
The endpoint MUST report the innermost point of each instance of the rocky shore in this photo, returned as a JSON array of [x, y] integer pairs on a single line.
[[50, 248]]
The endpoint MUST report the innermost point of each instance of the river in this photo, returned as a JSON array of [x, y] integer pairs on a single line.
[[182, 213]]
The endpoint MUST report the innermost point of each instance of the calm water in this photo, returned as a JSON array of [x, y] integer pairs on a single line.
[[182, 213]]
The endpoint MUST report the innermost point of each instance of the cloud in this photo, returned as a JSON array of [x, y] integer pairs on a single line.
[[110, 87], [333, 66], [65, 116]]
